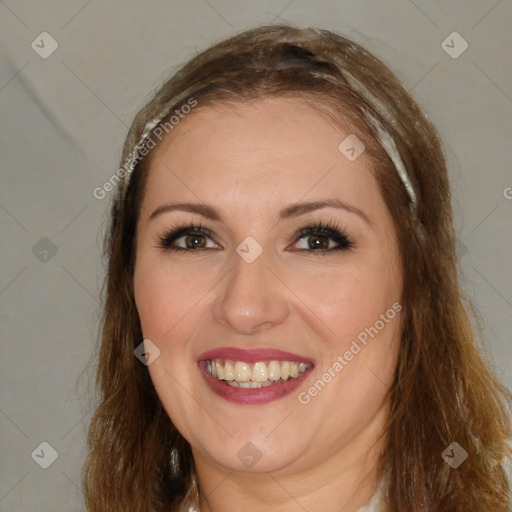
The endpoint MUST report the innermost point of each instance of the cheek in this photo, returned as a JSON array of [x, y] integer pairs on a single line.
[[168, 305], [352, 297], [163, 297], [149, 298]]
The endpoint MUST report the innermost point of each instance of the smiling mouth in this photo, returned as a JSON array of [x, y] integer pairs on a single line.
[[254, 375]]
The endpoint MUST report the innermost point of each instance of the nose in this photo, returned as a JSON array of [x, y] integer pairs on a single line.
[[252, 298]]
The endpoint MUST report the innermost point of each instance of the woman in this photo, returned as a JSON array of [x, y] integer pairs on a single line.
[[283, 326]]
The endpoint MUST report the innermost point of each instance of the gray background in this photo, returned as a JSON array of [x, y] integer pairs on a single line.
[[65, 118]]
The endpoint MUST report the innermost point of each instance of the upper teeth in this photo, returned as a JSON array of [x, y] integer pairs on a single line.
[[240, 371]]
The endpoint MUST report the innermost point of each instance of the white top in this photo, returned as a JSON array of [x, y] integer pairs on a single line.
[[373, 504]]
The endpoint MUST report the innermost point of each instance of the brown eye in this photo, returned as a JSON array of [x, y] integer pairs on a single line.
[[195, 241], [318, 242], [185, 238], [321, 239]]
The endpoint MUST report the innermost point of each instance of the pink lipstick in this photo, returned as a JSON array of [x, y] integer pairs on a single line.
[[253, 376]]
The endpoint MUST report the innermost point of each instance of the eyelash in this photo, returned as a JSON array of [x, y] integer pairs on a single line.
[[331, 230]]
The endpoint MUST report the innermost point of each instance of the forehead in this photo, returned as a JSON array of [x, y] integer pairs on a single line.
[[267, 151]]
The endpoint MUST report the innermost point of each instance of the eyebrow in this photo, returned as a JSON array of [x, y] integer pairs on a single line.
[[293, 210]]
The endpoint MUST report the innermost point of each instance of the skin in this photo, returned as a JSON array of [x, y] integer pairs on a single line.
[[248, 162]]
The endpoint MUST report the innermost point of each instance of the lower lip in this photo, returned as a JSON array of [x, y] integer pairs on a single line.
[[252, 396]]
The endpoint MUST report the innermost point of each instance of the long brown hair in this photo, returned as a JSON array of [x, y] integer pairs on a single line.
[[443, 391]]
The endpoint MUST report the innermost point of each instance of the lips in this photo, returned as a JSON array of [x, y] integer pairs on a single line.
[[252, 356], [253, 376]]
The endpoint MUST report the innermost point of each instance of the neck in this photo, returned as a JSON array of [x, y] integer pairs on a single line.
[[342, 482]]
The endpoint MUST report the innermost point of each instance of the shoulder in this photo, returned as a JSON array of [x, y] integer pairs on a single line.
[[374, 504]]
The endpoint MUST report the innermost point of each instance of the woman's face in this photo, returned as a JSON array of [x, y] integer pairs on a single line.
[[260, 298]]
